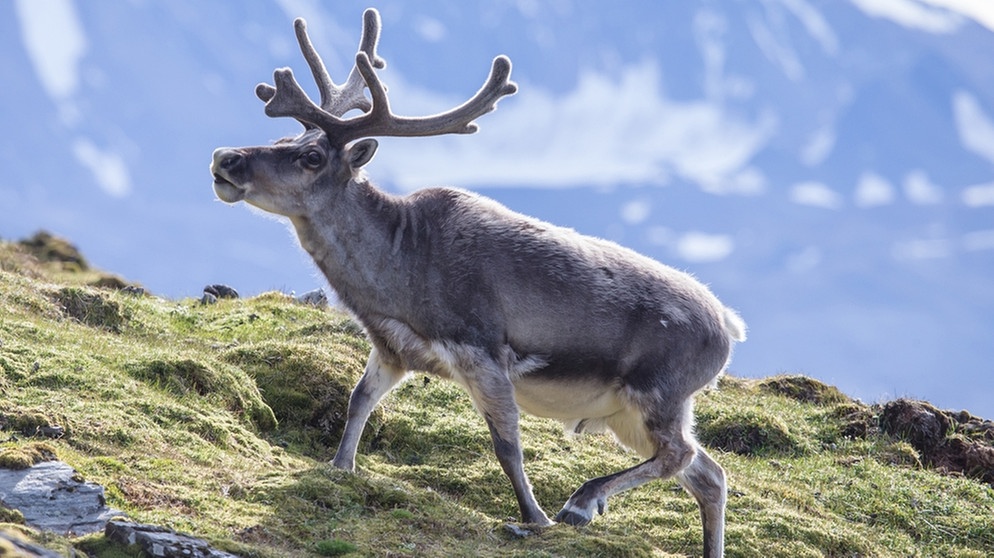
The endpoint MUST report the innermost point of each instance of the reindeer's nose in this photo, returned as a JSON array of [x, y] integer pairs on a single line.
[[227, 160]]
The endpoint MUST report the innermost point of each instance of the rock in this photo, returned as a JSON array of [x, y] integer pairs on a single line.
[[52, 497], [51, 431], [314, 298], [518, 531], [160, 542], [12, 545], [221, 291], [133, 290]]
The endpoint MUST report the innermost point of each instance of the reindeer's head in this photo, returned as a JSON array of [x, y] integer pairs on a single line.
[[284, 177]]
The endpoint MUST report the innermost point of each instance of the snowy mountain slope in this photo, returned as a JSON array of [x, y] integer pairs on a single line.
[[827, 167]]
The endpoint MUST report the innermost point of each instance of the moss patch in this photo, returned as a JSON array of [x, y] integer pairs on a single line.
[[48, 247], [10, 516], [803, 388], [24, 422], [227, 386], [308, 390], [24, 456], [88, 307], [749, 432]]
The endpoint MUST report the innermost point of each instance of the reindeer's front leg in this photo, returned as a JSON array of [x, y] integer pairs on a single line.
[[377, 380], [493, 394]]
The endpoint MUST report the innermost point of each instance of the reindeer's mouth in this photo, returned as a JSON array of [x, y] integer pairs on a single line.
[[226, 190], [225, 164]]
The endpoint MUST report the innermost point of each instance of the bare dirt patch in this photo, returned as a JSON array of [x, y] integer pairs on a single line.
[[957, 443]]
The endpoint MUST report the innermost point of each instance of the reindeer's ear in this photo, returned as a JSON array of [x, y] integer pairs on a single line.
[[361, 152]]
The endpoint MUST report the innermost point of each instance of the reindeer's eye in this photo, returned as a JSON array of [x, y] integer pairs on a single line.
[[312, 159]]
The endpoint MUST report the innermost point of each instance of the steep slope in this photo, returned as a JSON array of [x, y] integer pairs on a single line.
[[217, 420]]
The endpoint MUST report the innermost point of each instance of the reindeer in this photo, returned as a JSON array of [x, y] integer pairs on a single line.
[[522, 314]]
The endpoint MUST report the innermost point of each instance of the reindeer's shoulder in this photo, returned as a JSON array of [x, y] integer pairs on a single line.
[[448, 198], [455, 206]]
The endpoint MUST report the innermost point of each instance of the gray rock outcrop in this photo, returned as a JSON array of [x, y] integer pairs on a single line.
[[160, 542], [52, 497]]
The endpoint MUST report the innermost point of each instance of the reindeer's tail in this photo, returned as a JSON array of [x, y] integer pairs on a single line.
[[734, 325]]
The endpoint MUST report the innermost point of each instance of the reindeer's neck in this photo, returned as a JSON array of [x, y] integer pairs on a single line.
[[352, 239]]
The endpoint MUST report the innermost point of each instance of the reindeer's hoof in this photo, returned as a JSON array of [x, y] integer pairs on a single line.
[[538, 520], [576, 519], [344, 464]]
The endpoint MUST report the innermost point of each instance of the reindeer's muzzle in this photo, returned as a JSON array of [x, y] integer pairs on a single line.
[[226, 166]]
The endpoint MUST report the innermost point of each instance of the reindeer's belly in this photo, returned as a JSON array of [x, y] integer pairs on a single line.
[[567, 399]]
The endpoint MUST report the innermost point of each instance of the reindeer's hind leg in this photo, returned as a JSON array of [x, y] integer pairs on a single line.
[[705, 480], [664, 438]]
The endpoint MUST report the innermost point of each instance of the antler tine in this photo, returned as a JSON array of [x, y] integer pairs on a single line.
[[381, 121], [335, 100], [326, 87], [352, 91], [287, 98], [371, 37]]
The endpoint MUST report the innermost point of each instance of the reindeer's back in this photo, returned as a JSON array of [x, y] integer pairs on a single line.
[[547, 290]]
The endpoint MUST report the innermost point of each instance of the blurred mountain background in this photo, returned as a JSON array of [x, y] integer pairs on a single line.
[[827, 167]]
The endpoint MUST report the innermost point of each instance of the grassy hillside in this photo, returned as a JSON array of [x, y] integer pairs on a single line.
[[217, 420]]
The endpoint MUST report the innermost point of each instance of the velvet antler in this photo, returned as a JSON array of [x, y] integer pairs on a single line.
[[287, 98]]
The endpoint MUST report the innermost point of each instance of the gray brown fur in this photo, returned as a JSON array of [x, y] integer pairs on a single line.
[[521, 313]]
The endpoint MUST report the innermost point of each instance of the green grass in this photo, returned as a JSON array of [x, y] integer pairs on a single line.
[[218, 421]]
